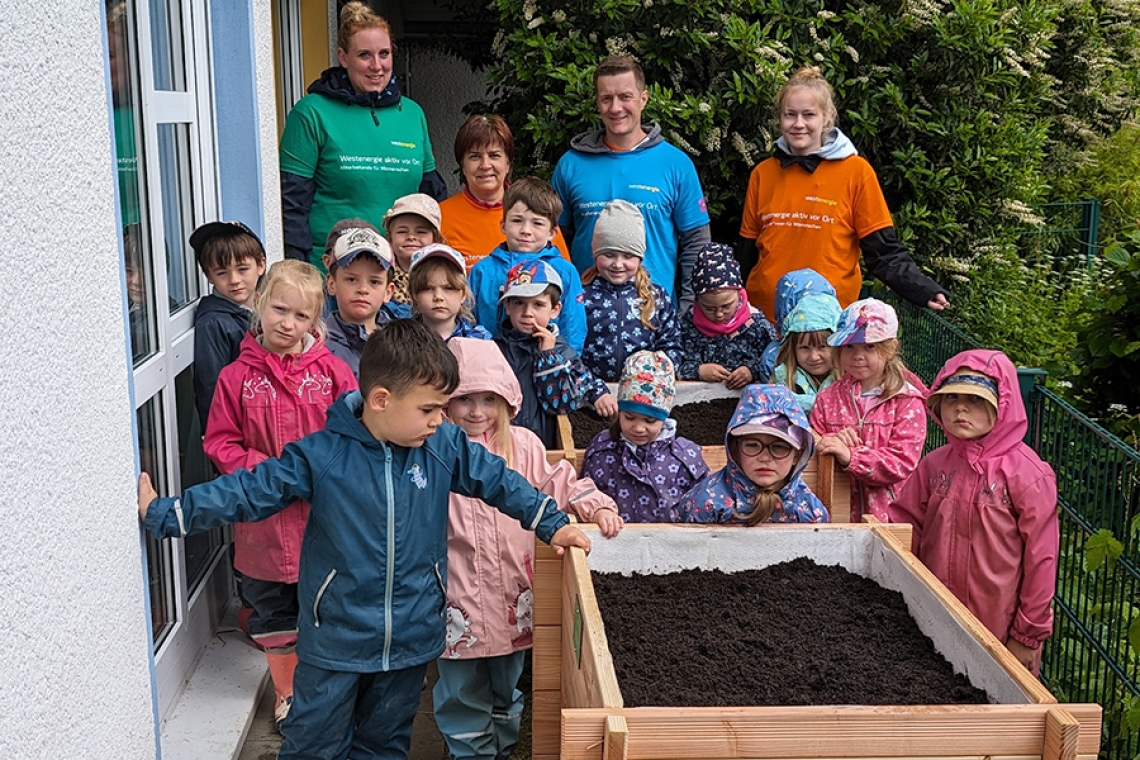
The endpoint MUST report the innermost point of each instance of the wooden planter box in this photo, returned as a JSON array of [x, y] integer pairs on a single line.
[[578, 712]]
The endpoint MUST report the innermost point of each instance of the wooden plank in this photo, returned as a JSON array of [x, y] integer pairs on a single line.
[[901, 531], [825, 483], [823, 732], [616, 743], [547, 591], [1062, 731], [566, 437], [588, 678], [1025, 680], [554, 456], [546, 722], [546, 663]]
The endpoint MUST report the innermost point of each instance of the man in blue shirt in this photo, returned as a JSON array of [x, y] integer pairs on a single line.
[[632, 161]]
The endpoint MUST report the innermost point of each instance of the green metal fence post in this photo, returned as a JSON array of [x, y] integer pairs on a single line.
[[1029, 379], [1090, 228]]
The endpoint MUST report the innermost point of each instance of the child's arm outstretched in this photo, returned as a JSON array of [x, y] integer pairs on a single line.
[[1036, 511], [485, 476], [243, 496], [578, 494]]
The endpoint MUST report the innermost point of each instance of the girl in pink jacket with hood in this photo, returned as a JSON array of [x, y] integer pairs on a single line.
[[490, 563], [984, 506], [277, 391], [872, 419]]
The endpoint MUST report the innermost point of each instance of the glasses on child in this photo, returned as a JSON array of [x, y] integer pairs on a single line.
[[751, 447]]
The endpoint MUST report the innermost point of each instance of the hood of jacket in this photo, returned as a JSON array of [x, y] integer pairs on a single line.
[[344, 419], [255, 355], [482, 368], [509, 257], [792, 287], [836, 146], [334, 83], [769, 401], [595, 142], [1012, 422]]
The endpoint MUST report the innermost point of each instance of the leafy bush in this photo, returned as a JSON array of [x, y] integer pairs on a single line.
[[1109, 171]]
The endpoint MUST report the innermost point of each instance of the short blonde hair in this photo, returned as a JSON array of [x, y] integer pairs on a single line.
[[296, 274]]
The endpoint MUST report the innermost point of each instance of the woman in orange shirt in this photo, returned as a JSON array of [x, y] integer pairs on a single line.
[[816, 203], [473, 217]]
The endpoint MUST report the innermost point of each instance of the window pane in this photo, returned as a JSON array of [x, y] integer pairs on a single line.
[[121, 49], [175, 172], [160, 573], [195, 468], [166, 45]]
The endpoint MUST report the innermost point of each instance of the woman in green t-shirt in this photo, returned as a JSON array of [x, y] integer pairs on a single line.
[[354, 144]]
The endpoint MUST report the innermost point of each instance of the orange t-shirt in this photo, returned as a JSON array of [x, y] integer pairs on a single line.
[[475, 229], [801, 220]]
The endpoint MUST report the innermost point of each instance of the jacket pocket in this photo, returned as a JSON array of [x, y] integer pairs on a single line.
[[442, 590], [320, 595]]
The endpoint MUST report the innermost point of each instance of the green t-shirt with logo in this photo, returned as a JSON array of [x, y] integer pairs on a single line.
[[362, 158]]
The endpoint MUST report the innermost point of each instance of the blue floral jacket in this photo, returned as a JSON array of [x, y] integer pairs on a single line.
[[614, 329]]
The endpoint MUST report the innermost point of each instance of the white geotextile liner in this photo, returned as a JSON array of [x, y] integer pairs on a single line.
[[659, 551], [694, 391]]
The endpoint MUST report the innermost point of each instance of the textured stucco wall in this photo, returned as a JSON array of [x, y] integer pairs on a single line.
[[74, 674], [443, 85]]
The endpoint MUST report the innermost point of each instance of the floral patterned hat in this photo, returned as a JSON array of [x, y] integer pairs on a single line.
[[866, 321], [647, 385]]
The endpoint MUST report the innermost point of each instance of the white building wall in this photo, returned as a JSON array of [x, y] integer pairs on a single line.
[[267, 128], [74, 645]]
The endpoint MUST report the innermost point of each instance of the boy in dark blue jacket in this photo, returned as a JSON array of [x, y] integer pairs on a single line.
[[372, 587], [232, 258], [554, 381]]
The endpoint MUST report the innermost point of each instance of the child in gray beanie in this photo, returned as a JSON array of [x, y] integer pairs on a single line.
[[625, 311]]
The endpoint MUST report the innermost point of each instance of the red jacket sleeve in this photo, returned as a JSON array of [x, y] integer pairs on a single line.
[[910, 506], [224, 441]]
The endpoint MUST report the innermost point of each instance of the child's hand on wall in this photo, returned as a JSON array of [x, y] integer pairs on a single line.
[[568, 536], [740, 377], [712, 373], [147, 494], [606, 406], [609, 521], [831, 444]]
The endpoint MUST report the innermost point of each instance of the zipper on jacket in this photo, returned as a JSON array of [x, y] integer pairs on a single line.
[[391, 564], [442, 588], [375, 118], [320, 594]]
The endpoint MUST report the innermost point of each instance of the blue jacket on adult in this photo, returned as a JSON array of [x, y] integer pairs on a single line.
[[372, 587], [219, 326], [488, 277], [727, 495], [616, 332]]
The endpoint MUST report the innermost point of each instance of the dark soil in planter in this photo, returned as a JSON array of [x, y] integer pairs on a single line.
[[796, 633], [703, 422]]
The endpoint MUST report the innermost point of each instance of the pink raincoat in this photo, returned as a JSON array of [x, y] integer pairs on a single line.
[[893, 431], [985, 515], [262, 402], [490, 557]]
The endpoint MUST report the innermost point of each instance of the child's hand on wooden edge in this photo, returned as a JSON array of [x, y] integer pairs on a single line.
[[608, 521], [712, 373], [147, 494], [1024, 654], [606, 406], [568, 536], [738, 378]]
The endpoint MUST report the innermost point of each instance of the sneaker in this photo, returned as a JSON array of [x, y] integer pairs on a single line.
[[282, 710]]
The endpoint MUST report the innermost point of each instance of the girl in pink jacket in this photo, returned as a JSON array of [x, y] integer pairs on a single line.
[[984, 506], [872, 419], [277, 391], [490, 563]]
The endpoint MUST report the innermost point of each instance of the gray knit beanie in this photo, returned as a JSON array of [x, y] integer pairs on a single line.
[[620, 227]]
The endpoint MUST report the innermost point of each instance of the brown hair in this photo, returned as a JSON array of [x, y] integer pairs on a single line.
[[304, 277], [456, 279], [226, 248], [811, 77], [356, 17], [786, 356], [484, 131], [406, 354], [536, 195], [894, 371], [767, 500], [615, 65], [644, 287]]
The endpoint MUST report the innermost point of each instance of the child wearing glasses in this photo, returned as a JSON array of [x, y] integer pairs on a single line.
[[769, 444], [724, 338]]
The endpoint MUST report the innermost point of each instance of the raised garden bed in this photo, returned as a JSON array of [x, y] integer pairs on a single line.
[[580, 712], [702, 412]]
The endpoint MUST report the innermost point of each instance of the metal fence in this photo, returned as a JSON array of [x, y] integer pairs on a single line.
[[1090, 657]]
